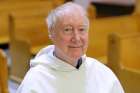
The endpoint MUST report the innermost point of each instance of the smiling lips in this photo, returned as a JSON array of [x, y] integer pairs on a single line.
[[75, 46]]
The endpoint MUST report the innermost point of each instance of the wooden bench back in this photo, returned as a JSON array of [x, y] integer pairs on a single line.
[[30, 27], [126, 48], [7, 7], [4, 35], [3, 73], [100, 29], [123, 59], [25, 7]]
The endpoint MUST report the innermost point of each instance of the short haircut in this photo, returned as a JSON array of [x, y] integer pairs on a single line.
[[55, 14]]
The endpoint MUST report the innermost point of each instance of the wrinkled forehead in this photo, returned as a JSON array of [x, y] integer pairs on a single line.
[[71, 9], [71, 14], [72, 19]]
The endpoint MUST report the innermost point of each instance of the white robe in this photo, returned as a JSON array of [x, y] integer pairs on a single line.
[[49, 74]]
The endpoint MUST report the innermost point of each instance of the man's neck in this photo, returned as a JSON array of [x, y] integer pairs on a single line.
[[68, 60]]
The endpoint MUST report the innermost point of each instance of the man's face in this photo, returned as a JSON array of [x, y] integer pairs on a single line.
[[70, 36]]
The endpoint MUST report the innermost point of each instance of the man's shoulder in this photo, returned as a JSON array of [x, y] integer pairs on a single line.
[[99, 69], [93, 63]]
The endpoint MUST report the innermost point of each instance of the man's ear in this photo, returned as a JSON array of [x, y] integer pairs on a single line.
[[51, 35]]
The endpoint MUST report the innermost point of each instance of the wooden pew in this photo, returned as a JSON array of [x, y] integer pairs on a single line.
[[3, 73], [137, 7], [28, 34], [91, 11], [4, 35], [6, 8], [124, 59], [100, 29], [58, 2]]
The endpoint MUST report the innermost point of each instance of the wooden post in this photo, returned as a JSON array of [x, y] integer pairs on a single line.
[[3, 73]]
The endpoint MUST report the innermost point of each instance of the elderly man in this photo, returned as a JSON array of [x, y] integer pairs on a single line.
[[64, 67]]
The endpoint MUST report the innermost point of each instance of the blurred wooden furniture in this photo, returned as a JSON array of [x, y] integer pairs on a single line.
[[4, 35], [6, 8], [137, 7], [100, 29], [3, 73], [58, 2], [28, 34], [124, 59], [91, 10]]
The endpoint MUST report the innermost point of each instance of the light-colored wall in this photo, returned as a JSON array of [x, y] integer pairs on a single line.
[[85, 3]]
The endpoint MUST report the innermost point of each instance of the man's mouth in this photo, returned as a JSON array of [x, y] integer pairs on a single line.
[[75, 46]]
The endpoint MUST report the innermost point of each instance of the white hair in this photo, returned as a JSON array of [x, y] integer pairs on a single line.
[[61, 10]]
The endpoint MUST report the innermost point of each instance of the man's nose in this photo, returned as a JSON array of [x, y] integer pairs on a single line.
[[76, 36]]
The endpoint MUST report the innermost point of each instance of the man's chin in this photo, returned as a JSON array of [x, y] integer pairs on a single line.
[[76, 56]]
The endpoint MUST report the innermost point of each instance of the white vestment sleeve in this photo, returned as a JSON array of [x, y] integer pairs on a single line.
[[117, 88]]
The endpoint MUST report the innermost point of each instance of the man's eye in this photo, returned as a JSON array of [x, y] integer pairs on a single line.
[[68, 30], [82, 29]]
